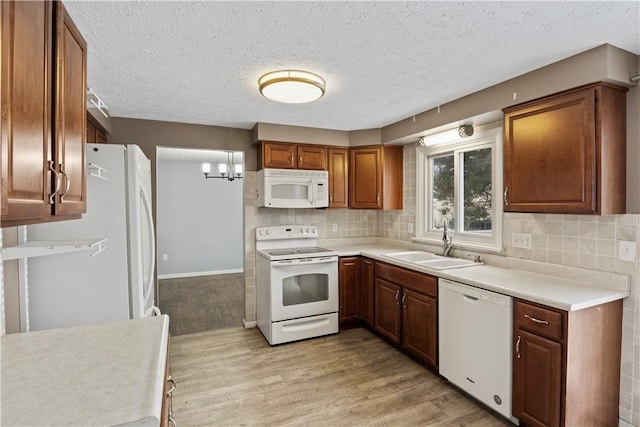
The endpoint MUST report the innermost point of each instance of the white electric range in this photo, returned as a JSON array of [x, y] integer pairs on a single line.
[[297, 284]]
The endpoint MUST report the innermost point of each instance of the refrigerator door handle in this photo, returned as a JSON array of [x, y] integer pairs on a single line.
[[152, 241]]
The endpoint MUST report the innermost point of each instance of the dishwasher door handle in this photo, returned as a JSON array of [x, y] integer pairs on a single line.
[[469, 297]]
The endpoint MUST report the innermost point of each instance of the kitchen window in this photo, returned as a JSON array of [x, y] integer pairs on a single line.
[[458, 184]]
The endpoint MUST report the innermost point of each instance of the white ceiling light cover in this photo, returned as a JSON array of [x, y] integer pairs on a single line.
[[292, 86]]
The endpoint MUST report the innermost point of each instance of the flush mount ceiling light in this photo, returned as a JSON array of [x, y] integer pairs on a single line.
[[291, 86]]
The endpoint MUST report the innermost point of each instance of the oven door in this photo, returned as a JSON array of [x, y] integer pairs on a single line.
[[303, 287]]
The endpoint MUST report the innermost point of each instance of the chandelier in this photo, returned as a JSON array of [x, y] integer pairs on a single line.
[[230, 170]]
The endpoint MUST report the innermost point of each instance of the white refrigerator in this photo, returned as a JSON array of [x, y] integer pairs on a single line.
[[117, 283]]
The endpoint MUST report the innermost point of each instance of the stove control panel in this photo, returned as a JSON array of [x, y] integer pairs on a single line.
[[279, 232]]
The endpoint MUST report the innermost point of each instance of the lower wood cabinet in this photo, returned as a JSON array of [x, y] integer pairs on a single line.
[[166, 419], [419, 317], [566, 365], [348, 278], [387, 309], [406, 310], [365, 291], [355, 275]]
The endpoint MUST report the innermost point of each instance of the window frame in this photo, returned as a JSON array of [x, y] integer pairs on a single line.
[[489, 136]]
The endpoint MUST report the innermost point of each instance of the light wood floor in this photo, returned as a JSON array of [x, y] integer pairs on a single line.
[[232, 377]]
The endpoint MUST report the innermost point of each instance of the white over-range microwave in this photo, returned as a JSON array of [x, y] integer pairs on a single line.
[[293, 188]]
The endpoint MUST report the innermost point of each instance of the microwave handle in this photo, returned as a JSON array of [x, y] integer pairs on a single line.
[[312, 192]]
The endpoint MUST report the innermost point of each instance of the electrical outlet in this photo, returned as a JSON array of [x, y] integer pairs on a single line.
[[627, 251], [334, 227], [410, 227], [521, 240], [165, 257]]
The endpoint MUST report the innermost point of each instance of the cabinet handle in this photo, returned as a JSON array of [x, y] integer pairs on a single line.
[[58, 182], [533, 319], [300, 159], [506, 196], [330, 199], [67, 181], [173, 386], [291, 158], [404, 299], [398, 297], [366, 261], [172, 421], [518, 347], [378, 198]]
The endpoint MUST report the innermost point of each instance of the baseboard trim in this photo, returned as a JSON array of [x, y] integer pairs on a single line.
[[199, 273], [251, 324]]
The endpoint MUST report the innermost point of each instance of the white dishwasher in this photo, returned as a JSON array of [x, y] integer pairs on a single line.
[[475, 328]]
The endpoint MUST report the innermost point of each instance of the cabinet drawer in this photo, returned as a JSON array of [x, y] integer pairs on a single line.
[[539, 320], [409, 279]]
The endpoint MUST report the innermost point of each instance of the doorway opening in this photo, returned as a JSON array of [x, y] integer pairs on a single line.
[[200, 242]]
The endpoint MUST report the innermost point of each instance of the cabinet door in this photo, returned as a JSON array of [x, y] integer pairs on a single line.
[[312, 157], [338, 177], [419, 316], [349, 269], [550, 155], [278, 155], [25, 123], [91, 133], [71, 114], [365, 292], [101, 137], [365, 178], [387, 309], [537, 379]]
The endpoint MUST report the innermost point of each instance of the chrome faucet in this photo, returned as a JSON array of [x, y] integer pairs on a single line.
[[446, 240]]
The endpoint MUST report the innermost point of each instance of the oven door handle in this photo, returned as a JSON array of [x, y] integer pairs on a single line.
[[299, 262]]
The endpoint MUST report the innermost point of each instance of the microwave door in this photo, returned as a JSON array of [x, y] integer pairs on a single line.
[[291, 193]]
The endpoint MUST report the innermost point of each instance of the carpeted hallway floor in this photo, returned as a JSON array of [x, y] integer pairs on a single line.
[[205, 303]]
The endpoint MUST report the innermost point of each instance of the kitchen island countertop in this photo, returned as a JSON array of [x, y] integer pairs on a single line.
[[561, 288], [105, 375]]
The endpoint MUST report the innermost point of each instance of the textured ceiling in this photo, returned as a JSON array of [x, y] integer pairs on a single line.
[[199, 62]]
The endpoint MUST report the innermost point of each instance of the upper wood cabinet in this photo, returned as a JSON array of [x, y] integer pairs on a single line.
[[26, 109], [338, 161], [43, 78], [70, 115], [375, 177], [95, 134], [565, 153], [282, 155]]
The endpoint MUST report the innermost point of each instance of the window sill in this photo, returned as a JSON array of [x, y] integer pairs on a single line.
[[460, 245]]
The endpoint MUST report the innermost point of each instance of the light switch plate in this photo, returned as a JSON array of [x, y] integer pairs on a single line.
[[627, 251], [521, 240], [334, 227], [410, 227]]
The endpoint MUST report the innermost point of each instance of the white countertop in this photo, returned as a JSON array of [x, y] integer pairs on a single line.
[[101, 375], [560, 290]]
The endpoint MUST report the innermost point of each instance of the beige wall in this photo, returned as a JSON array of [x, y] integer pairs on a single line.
[[306, 135], [604, 63]]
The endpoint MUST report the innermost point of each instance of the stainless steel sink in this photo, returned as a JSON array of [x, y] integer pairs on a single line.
[[448, 263], [413, 256]]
